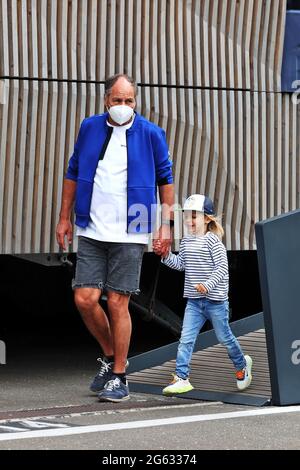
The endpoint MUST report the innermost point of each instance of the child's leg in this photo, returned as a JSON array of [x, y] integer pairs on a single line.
[[193, 321], [218, 313]]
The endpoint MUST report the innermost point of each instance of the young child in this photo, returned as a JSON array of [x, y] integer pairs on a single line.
[[203, 257]]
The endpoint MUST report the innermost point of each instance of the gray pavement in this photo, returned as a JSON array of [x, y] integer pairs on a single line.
[[280, 431], [51, 386]]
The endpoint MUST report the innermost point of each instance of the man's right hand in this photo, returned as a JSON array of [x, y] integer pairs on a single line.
[[64, 229]]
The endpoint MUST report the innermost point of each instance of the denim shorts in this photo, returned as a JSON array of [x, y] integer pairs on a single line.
[[108, 266]]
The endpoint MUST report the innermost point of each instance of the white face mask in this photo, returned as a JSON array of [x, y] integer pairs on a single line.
[[120, 113]]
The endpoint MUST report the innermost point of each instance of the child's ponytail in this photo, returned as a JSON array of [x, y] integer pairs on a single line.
[[215, 226]]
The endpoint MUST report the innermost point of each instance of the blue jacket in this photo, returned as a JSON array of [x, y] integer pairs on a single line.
[[148, 165]]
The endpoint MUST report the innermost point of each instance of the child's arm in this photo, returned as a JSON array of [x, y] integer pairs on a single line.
[[175, 261], [219, 258]]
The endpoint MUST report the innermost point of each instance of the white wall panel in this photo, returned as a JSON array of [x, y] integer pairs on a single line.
[[214, 69]]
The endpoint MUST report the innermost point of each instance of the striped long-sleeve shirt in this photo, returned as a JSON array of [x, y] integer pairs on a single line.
[[204, 260]]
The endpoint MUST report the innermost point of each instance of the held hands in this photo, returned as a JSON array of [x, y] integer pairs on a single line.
[[162, 241], [201, 289], [157, 248]]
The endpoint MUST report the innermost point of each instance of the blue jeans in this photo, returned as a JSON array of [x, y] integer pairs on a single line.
[[196, 313]]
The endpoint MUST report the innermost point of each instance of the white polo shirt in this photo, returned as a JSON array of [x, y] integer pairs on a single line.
[[108, 212]]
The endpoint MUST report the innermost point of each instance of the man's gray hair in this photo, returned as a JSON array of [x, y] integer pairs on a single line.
[[110, 81]]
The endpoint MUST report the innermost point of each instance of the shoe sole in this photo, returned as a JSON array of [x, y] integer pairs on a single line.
[[114, 400], [168, 393]]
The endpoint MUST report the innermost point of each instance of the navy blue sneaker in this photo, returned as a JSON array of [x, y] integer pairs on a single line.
[[103, 375], [115, 390]]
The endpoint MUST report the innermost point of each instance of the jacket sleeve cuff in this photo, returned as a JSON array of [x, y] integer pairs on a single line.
[[70, 176], [166, 180]]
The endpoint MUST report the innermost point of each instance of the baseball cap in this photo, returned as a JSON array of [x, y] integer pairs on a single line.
[[199, 202]]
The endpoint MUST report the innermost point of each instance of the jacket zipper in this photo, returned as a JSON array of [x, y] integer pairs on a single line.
[[106, 142]]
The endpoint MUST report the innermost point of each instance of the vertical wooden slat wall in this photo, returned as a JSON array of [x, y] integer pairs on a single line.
[[209, 73]]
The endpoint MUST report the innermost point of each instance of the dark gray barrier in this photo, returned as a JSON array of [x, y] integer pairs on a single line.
[[278, 249]]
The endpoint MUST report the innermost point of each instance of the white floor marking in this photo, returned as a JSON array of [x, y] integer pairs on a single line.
[[12, 428], [26, 424], [41, 424], [146, 423]]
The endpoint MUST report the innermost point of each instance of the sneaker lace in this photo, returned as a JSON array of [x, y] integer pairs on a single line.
[[105, 366], [112, 384]]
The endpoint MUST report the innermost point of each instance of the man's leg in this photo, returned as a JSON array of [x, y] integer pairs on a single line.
[[94, 317], [116, 389], [120, 321], [90, 277], [123, 276]]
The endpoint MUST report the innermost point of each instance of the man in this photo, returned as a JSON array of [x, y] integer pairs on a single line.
[[119, 160]]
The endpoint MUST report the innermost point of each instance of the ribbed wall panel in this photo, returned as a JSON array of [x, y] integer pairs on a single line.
[[214, 68], [214, 43]]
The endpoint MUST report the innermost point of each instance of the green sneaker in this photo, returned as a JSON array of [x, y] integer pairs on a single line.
[[178, 385]]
